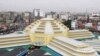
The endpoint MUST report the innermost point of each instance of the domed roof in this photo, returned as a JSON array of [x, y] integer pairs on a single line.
[[46, 26]]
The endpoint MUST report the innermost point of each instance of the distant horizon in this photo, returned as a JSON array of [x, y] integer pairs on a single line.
[[51, 5], [49, 11]]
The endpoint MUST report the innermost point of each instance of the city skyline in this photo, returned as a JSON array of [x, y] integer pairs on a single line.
[[50, 5]]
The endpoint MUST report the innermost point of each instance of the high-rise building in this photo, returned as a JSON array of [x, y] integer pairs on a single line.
[[37, 14]]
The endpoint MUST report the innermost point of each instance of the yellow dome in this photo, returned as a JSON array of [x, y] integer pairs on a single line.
[[47, 26]]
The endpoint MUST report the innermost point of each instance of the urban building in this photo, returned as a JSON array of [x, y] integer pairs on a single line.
[[37, 14], [53, 34]]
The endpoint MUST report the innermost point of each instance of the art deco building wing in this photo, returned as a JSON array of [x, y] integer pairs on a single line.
[[14, 39]]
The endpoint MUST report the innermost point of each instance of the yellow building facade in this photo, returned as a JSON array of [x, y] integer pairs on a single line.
[[51, 33], [46, 28]]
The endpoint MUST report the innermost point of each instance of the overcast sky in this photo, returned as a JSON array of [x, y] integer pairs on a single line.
[[50, 5]]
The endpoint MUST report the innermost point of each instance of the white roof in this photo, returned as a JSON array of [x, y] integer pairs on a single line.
[[78, 30], [71, 41], [33, 29], [48, 28], [13, 35], [47, 19]]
